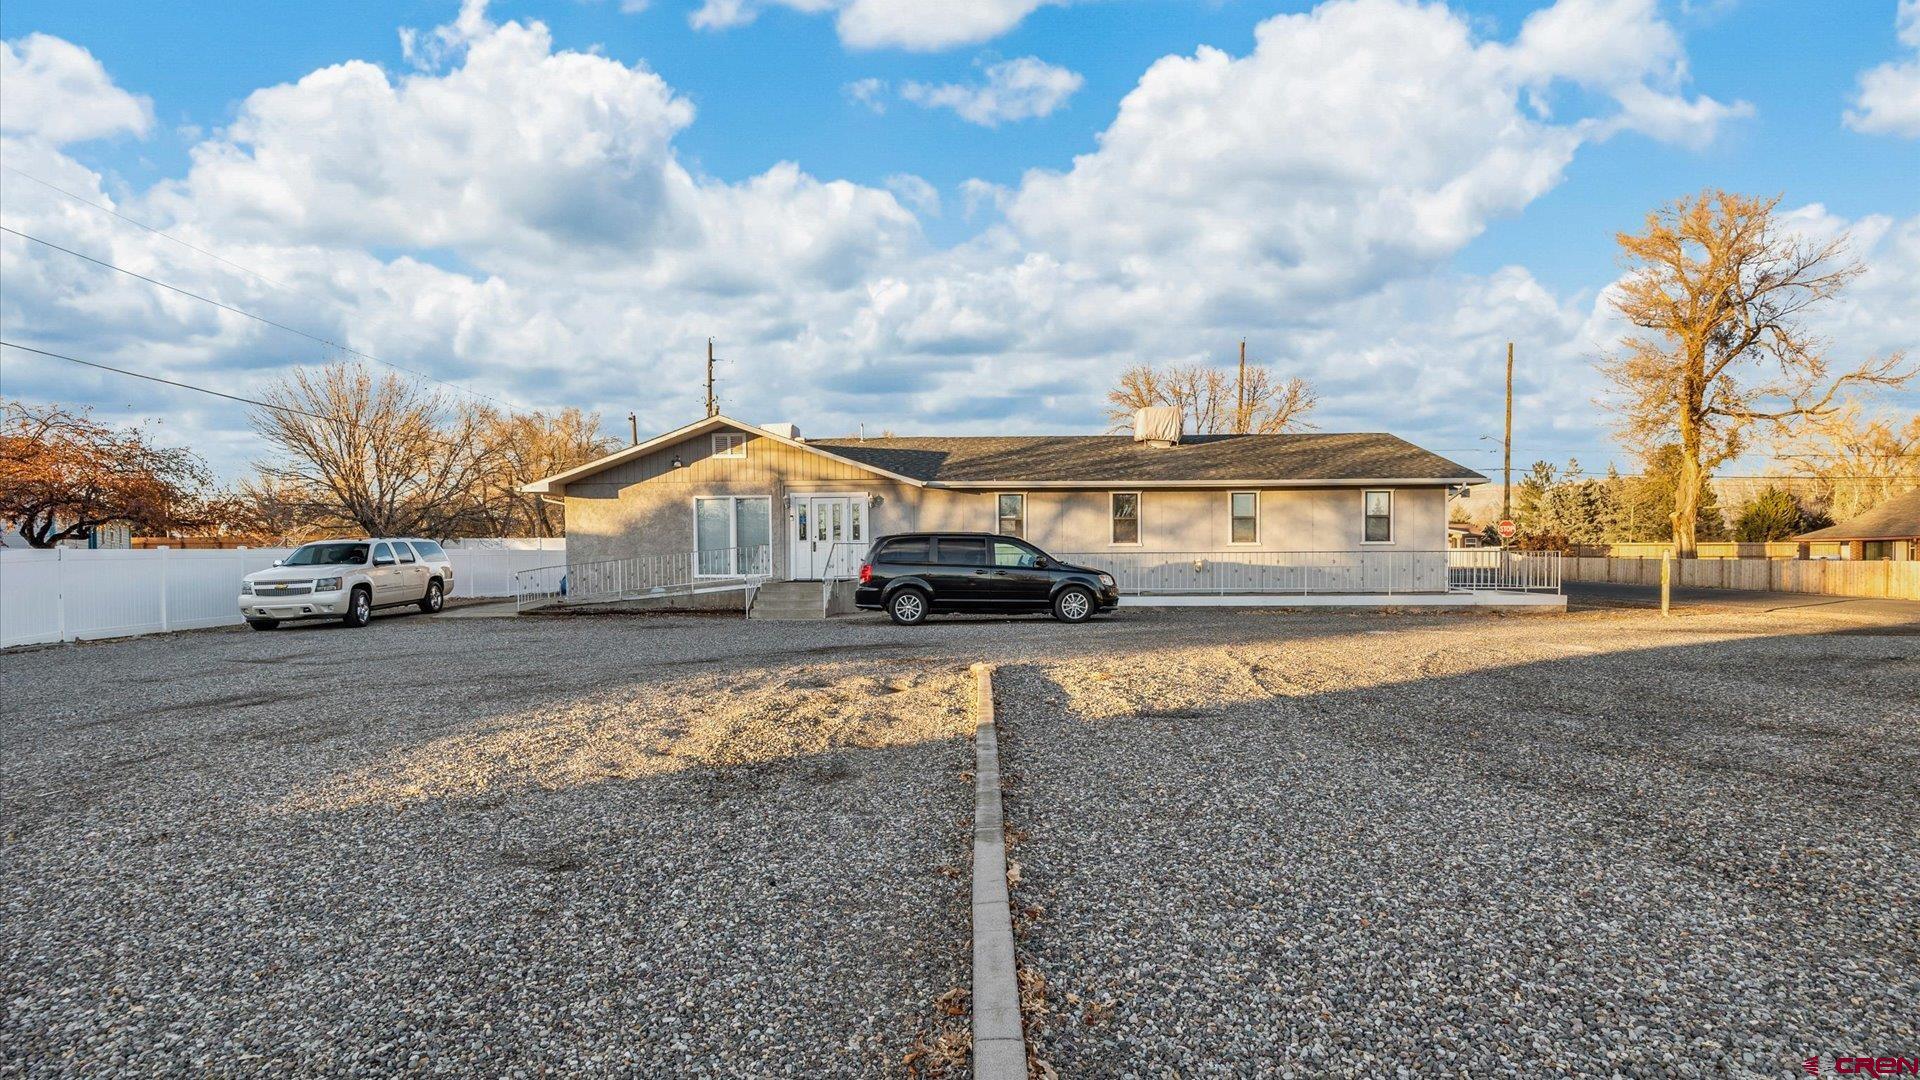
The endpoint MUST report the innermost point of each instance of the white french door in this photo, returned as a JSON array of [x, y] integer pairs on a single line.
[[827, 536]]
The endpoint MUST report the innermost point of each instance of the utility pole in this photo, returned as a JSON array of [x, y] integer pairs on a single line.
[[1506, 490], [633, 427], [713, 407], [1241, 421]]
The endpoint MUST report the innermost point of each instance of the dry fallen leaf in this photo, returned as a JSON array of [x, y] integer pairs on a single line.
[[1013, 874]]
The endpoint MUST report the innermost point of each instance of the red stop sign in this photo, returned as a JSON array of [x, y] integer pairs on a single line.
[[1507, 530]]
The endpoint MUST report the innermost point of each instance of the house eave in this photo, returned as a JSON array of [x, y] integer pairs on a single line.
[[1132, 485], [546, 485]]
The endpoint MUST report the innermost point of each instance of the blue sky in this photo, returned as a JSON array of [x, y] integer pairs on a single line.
[[776, 90]]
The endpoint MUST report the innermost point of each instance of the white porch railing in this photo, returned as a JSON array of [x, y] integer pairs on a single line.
[[1310, 572], [1500, 570], [603, 580]]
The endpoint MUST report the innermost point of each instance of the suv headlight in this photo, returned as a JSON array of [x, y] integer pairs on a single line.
[[246, 587], [1106, 579], [325, 584]]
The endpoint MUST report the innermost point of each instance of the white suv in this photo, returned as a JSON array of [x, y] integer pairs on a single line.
[[347, 580]]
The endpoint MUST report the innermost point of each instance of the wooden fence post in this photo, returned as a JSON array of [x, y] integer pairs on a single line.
[[1666, 582]]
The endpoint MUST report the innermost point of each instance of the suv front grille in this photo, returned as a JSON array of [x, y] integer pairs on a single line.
[[302, 589]]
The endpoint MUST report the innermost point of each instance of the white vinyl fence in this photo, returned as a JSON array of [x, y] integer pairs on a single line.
[[69, 594]]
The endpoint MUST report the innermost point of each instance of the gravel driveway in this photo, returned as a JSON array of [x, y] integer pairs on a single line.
[[1601, 844], [424, 847], [700, 846]]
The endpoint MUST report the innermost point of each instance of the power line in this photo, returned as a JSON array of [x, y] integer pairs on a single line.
[[257, 318], [170, 382], [348, 425]]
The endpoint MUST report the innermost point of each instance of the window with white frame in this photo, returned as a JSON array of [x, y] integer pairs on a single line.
[[730, 444], [1243, 514], [1125, 511], [733, 535], [1011, 517], [1377, 508]]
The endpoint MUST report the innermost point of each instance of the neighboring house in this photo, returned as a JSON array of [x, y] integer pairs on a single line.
[[1462, 535], [736, 493], [1888, 531]]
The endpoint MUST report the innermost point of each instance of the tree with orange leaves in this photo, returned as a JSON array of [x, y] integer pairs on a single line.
[[62, 474]]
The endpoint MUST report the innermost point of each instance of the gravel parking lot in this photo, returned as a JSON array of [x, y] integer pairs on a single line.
[[1249, 841], [1601, 844]]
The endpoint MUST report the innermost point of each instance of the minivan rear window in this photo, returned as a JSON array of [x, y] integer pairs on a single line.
[[911, 549], [955, 551]]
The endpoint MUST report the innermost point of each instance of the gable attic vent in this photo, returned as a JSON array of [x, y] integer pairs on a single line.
[[1158, 425]]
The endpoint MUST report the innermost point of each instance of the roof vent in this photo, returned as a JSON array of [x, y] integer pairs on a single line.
[[1157, 425], [785, 431]]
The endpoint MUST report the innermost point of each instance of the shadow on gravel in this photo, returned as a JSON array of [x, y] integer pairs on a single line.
[[1699, 858]]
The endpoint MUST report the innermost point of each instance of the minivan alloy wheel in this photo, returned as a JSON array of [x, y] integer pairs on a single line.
[[908, 606], [1073, 605]]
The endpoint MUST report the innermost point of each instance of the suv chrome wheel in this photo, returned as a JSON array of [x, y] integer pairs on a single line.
[[360, 608], [435, 599]]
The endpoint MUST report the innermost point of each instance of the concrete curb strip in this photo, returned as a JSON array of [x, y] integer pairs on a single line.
[[999, 1044]]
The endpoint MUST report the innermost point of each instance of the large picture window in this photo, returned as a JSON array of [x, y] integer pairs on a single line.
[[1125, 507], [1243, 512], [1378, 509], [733, 535], [1012, 519]]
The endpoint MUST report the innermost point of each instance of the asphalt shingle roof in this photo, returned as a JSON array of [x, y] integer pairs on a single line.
[[1896, 519], [1118, 459]]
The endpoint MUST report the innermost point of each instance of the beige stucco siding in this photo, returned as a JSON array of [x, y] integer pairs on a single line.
[[1291, 519], [645, 507]]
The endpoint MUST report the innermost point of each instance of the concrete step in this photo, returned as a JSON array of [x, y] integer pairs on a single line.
[[788, 600]]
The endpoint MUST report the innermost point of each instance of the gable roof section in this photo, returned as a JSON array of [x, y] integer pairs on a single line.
[[1896, 519], [1038, 461], [1202, 460], [715, 422]]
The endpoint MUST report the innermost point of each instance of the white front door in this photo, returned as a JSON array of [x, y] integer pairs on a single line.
[[829, 536]]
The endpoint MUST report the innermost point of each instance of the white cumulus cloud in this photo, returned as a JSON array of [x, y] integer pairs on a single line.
[[1888, 101], [922, 25], [1018, 89], [55, 91]]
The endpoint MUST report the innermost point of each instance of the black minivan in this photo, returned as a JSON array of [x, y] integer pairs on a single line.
[[911, 575]]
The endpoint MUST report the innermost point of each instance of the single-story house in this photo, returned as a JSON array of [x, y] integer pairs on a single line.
[[1888, 531], [740, 495]]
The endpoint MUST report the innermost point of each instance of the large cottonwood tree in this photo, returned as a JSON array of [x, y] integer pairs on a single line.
[[1720, 288]]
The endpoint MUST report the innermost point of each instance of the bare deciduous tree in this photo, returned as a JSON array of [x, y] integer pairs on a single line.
[[1857, 462], [1213, 401], [1722, 290], [379, 452], [533, 445]]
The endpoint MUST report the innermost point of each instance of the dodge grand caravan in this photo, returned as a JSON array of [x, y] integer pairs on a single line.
[[912, 575]]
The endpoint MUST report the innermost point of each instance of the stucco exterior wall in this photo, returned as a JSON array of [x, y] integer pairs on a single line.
[[645, 507]]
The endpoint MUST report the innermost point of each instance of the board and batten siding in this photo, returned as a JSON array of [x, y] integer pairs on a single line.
[[644, 507]]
